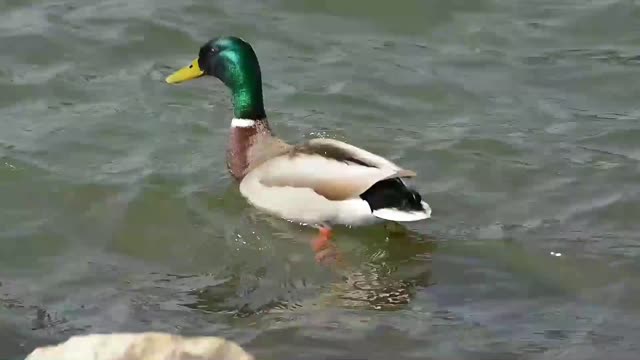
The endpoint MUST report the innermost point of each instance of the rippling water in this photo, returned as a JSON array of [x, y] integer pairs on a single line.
[[521, 118]]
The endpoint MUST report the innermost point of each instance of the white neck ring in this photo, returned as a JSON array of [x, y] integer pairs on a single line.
[[242, 123]]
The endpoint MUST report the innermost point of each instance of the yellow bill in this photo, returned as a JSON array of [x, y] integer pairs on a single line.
[[186, 73]]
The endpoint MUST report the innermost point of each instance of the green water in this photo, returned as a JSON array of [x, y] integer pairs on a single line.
[[520, 117]]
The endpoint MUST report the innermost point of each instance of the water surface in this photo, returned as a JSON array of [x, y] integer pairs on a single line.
[[520, 117]]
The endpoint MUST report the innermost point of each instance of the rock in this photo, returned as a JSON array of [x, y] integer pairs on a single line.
[[141, 346]]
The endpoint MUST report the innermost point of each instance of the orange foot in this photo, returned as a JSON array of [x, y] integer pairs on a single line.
[[325, 250]]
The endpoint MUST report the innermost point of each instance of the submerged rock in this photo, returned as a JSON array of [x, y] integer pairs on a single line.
[[141, 346]]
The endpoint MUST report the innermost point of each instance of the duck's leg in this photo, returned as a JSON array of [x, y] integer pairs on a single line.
[[322, 246], [323, 239]]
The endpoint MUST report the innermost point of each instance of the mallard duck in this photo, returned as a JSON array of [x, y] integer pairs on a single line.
[[321, 182]]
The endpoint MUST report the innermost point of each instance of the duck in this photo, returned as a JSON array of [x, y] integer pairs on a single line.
[[321, 182]]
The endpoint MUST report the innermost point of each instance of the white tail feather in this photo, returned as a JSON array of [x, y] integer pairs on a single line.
[[393, 214]]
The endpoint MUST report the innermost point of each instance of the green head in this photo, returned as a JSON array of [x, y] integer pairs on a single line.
[[233, 61]]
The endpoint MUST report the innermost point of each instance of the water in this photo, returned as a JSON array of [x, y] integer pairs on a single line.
[[520, 117]]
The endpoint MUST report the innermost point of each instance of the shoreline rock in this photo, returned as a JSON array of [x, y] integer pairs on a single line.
[[141, 346]]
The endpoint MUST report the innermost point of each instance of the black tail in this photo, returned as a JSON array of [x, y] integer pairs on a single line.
[[392, 193]]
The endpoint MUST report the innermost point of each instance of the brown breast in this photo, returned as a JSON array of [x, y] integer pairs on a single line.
[[242, 140]]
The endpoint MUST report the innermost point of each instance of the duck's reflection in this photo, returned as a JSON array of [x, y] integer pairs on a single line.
[[380, 268], [394, 265]]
